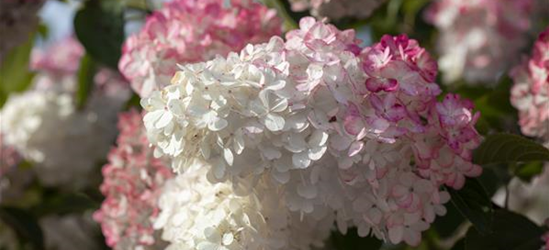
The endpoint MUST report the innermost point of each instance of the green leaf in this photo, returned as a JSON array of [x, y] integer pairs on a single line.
[[100, 28], [24, 224], [493, 177], [507, 148], [15, 75], [284, 12], [459, 245], [62, 204], [86, 73], [511, 231], [351, 241], [446, 225], [474, 204], [133, 102], [528, 170], [43, 31]]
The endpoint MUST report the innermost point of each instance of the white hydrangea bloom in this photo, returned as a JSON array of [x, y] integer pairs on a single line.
[[196, 214], [45, 126], [352, 136]]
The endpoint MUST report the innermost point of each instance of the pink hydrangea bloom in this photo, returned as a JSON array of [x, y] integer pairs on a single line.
[[132, 182], [188, 31], [479, 39], [61, 58], [530, 94], [349, 134], [337, 9]]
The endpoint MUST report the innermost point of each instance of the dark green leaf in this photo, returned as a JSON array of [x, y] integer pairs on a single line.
[[459, 245], [62, 204], [86, 73], [351, 241], [528, 170], [43, 30], [506, 148], [474, 204], [510, 231], [101, 30], [24, 224], [15, 75], [133, 102], [446, 225], [493, 177]]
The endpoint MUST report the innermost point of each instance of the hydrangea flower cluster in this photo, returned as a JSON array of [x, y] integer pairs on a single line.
[[352, 134], [10, 157], [47, 128], [18, 19], [60, 60], [479, 39], [10, 184], [530, 94], [132, 182], [198, 215], [188, 31], [337, 9]]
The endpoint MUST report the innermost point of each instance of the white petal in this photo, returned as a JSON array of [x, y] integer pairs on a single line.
[[151, 117], [355, 148], [316, 153], [175, 106], [270, 153], [274, 122], [164, 119], [157, 153], [229, 157], [238, 142], [207, 246], [219, 169], [413, 238], [411, 218], [280, 105], [340, 143], [318, 138], [307, 191], [218, 124], [212, 234], [296, 143], [277, 85], [301, 160], [375, 215], [205, 150], [228, 239], [396, 233], [281, 177]]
